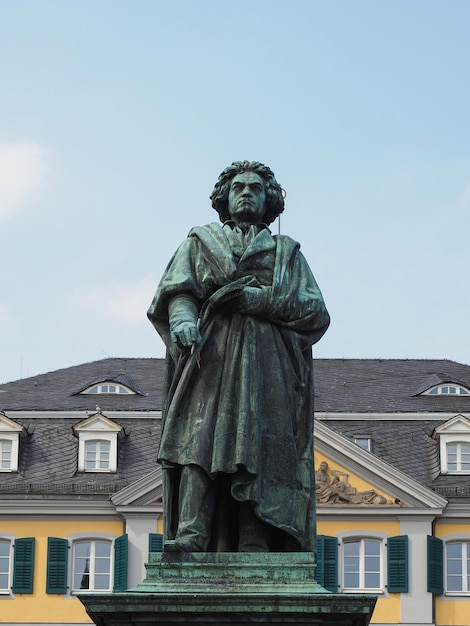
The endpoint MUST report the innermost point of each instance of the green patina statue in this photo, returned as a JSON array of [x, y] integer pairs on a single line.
[[239, 310]]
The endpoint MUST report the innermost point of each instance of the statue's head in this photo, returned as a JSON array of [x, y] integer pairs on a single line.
[[273, 192]]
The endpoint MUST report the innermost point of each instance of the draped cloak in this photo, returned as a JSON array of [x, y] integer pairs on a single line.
[[241, 402]]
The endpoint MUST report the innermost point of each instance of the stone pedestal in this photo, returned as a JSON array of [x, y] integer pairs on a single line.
[[208, 589]]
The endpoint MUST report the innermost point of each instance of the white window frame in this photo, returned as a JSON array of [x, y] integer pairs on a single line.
[[99, 457], [447, 389], [76, 538], [91, 565], [7, 590], [97, 428], [366, 439], [458, 462], [358, 536], [10, 431], [85, 439], [465, 540], [454, 431], [104, 388]]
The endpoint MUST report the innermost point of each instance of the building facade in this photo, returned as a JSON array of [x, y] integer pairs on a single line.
[[81, 492]]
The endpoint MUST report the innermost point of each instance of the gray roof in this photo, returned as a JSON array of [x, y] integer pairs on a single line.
[[387, 385], [48, 458], [60, 390]]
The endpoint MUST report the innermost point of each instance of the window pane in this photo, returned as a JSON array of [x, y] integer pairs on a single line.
[[4, 581], [351, 581], [454, 566], [102, 582], [372, 580], [103, 548], [4, 548], [351, 548], [82, 549], [372, 547], [372, 564], [454, 583]]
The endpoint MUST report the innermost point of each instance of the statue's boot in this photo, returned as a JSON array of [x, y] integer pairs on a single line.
[[196, 511]]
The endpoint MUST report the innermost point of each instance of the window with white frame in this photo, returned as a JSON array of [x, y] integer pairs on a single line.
[[10, 433], [362, 564], [449, 389], [86, 563], [364, 442], [97, 444], [458, 456], [6, 448], [454, 445], [108, 387], [457, 564], [92, 565], [97, 455], [5, 566]]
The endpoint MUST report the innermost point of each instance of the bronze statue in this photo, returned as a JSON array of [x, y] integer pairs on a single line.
[[239, 310]]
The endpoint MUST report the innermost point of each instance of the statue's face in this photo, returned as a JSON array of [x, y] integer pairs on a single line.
[[246, 198]]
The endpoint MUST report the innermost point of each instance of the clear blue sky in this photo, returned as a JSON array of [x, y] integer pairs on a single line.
[[117, 117]]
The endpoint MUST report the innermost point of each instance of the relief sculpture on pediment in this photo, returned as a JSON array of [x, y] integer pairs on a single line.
[[333, 488]]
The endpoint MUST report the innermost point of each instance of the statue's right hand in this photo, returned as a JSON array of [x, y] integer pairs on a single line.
[[185, 333]]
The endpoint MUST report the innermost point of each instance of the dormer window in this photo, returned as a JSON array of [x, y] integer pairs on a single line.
[[108, 387], [454, 440], [97, 444], [447, 389], [10, 433]]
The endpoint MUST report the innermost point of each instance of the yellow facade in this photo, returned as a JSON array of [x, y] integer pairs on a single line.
[[387, 609], [40, 607]]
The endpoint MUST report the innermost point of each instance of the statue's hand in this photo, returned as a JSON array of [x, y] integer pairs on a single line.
[[253, 300], [185, 333]]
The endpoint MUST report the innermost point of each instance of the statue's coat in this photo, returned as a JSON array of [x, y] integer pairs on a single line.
[[242, 402]]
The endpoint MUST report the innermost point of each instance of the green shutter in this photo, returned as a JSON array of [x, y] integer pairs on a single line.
[[120, 563], [23, 565], [57, 557], [435, 565], [327, 562], [155, 542], [397, 564]]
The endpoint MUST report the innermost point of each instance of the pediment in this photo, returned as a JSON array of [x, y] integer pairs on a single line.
[[97, 423], [145, 491], [458, 425], [367, 472], [9, 426]]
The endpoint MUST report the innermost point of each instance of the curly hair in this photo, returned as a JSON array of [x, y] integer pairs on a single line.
[[274, 192]]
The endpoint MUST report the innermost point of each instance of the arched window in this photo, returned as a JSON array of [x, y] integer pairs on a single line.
[[447, 389], [5, 566], [458, 456], [92, 565], [457, 560], [97, 455], [362, 564], [108, 387], [6, 447]]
